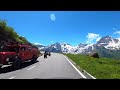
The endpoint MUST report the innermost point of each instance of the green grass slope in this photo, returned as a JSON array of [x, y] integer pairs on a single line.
[[102, 68]]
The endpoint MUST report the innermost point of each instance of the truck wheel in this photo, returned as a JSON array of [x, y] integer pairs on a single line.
[[34, 59], [0, 67], [17, 63]]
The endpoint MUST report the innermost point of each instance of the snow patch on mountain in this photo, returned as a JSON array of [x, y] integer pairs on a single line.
[[108, 42], [67, 48]]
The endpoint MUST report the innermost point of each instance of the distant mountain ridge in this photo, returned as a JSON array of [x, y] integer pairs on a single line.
[[106, 44]]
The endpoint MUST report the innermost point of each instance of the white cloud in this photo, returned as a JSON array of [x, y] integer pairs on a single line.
[[117, 32], [114, 28], [52, 17], [91, 37], [51, 41], [98, 38], [38, 44]]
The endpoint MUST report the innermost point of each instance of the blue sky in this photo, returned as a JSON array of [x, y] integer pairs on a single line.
[[73, 27]]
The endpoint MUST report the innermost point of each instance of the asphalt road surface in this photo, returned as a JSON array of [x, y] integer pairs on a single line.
[[56, 66]]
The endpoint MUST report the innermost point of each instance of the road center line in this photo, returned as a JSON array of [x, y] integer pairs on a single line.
[[75, 68], [11, 77], [30, 68]]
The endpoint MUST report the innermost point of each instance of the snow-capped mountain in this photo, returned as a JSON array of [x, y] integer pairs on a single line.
[[56, 47], [84, 48], [39, 46], [67, 48], [107, 42]]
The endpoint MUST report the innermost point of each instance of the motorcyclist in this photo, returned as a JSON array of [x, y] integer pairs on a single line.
[[49, 54], [45, 54]]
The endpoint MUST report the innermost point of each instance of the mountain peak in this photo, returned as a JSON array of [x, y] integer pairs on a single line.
[[107, 36], [64, 43], [105, 39], [108, 41]]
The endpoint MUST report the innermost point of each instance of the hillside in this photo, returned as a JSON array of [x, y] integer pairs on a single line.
[[103, 52], [102, 68], [8, 33]]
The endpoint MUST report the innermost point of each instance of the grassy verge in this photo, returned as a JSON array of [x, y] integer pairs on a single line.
[[102, 68]]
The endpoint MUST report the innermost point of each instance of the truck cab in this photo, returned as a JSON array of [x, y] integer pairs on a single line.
[[16, 54]]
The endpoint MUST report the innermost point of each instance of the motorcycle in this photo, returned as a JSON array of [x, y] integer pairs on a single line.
[[45, 54], [49, 54]]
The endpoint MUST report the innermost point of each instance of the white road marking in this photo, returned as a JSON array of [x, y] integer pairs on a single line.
[[90, 75], [75, 68], [30, 68], [40, 62], [11, 77]]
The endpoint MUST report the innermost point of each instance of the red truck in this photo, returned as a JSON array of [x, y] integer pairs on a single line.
[[16, 54]]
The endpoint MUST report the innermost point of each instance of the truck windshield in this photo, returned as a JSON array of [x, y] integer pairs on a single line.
[[9, 49]]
